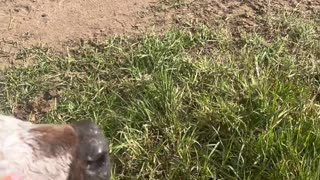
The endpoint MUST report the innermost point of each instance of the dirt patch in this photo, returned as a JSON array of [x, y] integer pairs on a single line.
[[35, 109], [238, 14], [56, 23], [24, 23]]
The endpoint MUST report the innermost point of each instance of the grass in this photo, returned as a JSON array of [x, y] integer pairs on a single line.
[[193, 103]]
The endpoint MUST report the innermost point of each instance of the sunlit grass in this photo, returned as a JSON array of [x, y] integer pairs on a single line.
[[196, 104]]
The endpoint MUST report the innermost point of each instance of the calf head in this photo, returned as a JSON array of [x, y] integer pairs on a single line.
[[91, 159]]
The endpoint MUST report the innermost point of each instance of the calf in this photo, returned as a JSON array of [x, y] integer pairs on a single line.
[[53, 152]]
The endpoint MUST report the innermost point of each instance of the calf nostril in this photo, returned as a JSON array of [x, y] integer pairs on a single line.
[[97, 162], [100, 155]]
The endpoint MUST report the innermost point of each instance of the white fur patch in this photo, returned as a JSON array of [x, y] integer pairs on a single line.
[[18, 157]]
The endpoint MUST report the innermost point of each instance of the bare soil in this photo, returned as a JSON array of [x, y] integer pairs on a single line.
[[240, 14], [56, 23], [24, 23]]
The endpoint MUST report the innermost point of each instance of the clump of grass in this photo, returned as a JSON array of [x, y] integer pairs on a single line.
[[191, 105]]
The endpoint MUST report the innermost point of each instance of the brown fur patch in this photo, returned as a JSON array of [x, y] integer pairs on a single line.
[[77, 169], [55, 139]]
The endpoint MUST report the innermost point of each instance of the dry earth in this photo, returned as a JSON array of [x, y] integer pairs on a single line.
[[56, 23], [24, 23], [245, 15]]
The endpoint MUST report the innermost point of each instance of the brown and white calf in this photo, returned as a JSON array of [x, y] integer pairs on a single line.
[[53, 152]]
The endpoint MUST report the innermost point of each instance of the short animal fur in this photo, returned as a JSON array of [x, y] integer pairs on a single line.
[[53, 152]]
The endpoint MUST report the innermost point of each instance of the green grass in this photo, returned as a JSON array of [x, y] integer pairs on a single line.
[[193, 103]]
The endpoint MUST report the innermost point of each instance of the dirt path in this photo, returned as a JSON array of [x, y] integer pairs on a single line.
[[53, 22]]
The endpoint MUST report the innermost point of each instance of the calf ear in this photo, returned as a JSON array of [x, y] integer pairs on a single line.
[[54, 140]]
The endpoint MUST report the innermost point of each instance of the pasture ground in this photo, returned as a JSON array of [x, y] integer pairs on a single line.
[[183, 89]]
